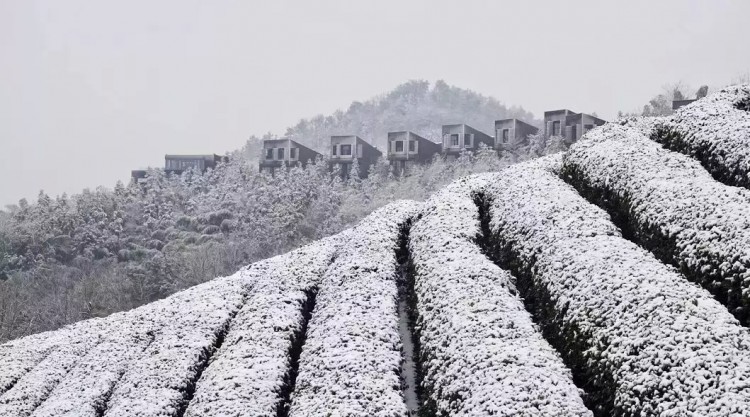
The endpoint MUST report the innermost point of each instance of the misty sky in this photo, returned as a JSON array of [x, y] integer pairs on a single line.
[[92, 89]]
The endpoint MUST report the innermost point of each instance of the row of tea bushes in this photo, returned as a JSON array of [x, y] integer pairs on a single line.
[[668, 203], [481, 354], [252, 372], [644, 340], [716, 131], [351, 359]]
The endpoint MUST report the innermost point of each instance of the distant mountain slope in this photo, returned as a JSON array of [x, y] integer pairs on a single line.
[[415, 105]]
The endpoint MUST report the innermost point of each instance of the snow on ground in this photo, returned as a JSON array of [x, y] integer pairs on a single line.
[[250, 374], [350, 362], [480, 350], [716, 131], [673, 207], [645, 340]]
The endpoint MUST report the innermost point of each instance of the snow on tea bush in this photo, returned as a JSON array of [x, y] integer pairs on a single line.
[[63, 350], [716, 131], [85, 389], [643, 339], [350, 361], [671, 205], [481, 353], [191, 325], [18, 357], [250, 374]]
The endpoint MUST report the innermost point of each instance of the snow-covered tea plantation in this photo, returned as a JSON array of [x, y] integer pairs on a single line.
[[611, 280]]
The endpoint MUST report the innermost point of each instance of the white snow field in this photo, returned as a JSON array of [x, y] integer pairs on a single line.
[[517, 292], [480, 350], [672, 206], [716, 131]]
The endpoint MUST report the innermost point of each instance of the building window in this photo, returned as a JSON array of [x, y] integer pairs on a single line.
[[556, 128], [346, 150], [412, 146], [293, 153], [454, 140], [506, 134], [334, 150], [467, 140], [359, 150], [399, 146], [269, 153], [586, 128], [280, 152]]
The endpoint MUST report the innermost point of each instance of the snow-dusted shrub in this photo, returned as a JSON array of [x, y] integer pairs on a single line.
[[251, 373], [716, 131], [84, 391], [645, 125], [643, 340], [672, 206], [481, 354], [350, 362], [18, 357], [190, 325], [33, 366]]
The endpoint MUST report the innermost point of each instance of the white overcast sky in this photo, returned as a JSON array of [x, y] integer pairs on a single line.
[[92, 89]]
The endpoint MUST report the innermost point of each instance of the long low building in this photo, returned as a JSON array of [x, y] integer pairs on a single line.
[[177, 164]]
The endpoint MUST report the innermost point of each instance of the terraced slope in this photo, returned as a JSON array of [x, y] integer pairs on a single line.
[[610, 281]]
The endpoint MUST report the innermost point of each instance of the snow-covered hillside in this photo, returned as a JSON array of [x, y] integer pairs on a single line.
[[612, 280]]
